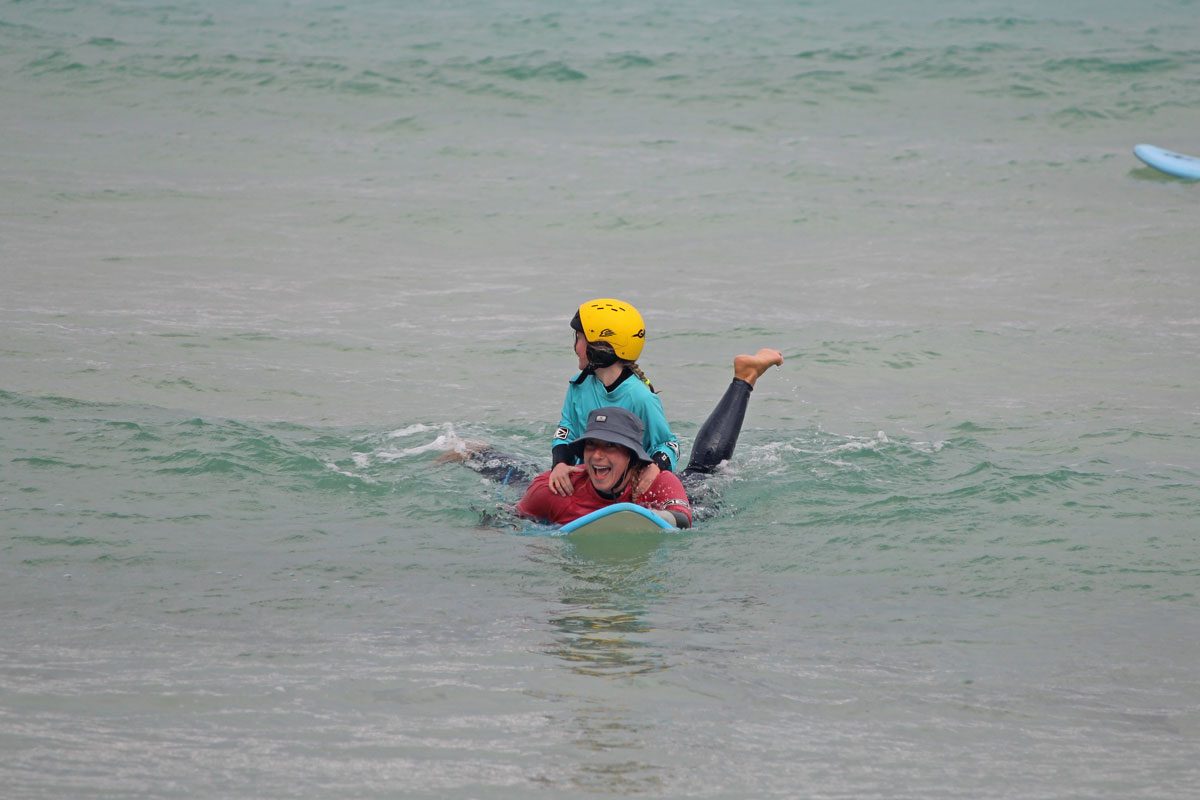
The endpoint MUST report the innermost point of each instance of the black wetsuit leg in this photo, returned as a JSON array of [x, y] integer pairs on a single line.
[[502, 468], [719, 434]]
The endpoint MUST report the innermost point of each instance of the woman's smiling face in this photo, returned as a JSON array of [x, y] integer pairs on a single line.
[[606, 464]]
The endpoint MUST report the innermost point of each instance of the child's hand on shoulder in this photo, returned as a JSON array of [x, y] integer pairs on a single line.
[[645, 480], [560, 479]]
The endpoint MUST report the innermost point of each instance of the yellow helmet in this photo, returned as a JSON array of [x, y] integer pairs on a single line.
[[612, 321]]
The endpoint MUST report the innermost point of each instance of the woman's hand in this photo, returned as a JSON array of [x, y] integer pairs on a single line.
[[560, 479], [645, 479]]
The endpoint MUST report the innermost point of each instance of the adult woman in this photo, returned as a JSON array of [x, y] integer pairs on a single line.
[[613, 460]]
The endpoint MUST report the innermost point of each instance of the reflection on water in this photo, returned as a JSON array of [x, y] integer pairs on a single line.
[[602, 632], [600, 629], [595, 642]]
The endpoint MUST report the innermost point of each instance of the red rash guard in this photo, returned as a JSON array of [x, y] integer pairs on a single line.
[[666, 493]]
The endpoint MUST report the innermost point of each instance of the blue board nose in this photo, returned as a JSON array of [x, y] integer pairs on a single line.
[[1172, 163]]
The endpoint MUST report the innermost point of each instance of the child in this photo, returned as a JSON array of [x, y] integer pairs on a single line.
[[609, 335]]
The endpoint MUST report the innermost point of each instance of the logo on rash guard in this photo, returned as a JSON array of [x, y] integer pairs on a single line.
[[562, 433]]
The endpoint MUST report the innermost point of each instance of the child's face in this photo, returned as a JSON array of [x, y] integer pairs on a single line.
[[581, 349]]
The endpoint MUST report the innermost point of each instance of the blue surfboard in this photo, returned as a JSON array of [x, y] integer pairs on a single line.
[[1176, 164], [619, 518]]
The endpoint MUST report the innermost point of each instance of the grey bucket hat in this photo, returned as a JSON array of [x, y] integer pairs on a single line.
[[616, 425]]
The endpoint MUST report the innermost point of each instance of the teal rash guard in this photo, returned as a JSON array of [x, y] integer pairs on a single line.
[[588, 394]]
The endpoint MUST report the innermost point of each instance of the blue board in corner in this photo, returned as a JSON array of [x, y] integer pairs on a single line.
[[619, 518], [1176, 164]]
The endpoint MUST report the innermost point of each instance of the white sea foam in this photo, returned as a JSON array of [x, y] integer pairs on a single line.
[[443, 442]]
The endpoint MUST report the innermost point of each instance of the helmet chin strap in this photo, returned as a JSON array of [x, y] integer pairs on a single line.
[[599, 358]]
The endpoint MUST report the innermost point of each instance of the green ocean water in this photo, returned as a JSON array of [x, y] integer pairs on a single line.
[[261, 263]]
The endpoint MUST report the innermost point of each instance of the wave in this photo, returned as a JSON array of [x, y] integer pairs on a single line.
[[124, 485], [816, 479]]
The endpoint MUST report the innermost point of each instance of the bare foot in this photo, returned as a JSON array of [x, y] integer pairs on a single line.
[[750, 368]]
